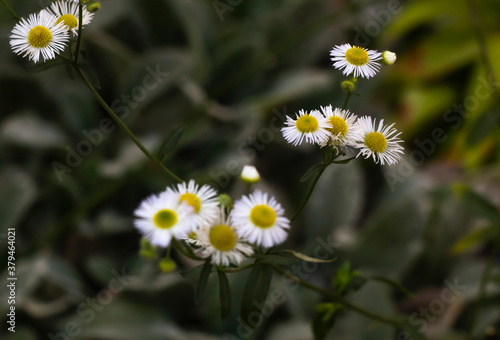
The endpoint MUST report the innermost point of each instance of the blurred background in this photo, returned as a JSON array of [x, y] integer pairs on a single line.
[[227, 72]]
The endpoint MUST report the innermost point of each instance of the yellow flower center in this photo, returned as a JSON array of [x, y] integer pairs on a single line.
[[339, 126], [357, 56], [263, 216], [376, 142], [222, 237], [192, 200], [39, 36], [307, 123], [165, 219], [69, 20]]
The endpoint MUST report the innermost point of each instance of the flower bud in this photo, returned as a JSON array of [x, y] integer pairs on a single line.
[[348, 86], [166, 265], [225, 201], [249, 174], [389, 58], [93, 6]]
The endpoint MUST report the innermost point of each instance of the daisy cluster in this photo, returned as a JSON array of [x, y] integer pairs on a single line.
[[195, 215], [46, 34], [342, 129]]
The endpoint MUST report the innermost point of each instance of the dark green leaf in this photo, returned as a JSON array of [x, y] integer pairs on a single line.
[[224, 295], [307, 258], [324, 319], [203, 280], [392, 283], [313, 171], [171, 141], [255, 291]]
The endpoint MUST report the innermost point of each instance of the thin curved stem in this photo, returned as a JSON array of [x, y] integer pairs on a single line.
[[338, 299], [349, 94], [79, 38], [11, 11], [124, 127]]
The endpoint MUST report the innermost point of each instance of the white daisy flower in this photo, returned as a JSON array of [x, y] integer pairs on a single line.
[[68, 13], [161, 217], [343, 128], [39, 34], [309, 126], [389, 58], [249, 174], [382, 142], [222, 243], [355, 60], [260, 219], [203, 201]]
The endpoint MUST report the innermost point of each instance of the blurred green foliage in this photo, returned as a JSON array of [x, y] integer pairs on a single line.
[[232, 77]]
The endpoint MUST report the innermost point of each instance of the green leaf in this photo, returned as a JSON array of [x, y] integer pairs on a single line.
[[203, 280], [312, 172], [477, 203], [256, 288], [324, 319], [393, 283], [307, 258], [171, 141], [224, 295], [475, 237]]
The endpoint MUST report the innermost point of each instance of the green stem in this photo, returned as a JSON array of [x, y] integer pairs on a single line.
[[79, 39], [349, 94], [482, 288], [125, 128], [309, 193], [11, 11], [338, 299], [483, 49]]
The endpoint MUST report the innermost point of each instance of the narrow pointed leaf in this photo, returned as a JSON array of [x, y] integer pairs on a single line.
[[256, 289], [312, 172], [224, 295], [307, 258], [203, 280]]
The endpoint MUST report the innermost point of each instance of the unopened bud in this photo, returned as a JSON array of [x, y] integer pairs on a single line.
[[389, 58], [249, 174], [93, 6], [348, 86]]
